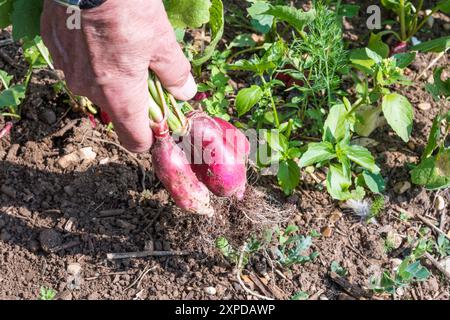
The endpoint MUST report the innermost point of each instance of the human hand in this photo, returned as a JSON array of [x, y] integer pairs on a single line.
[[108, 59]]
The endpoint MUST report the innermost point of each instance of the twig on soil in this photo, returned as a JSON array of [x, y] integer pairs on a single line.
[[139, 279], [143, 254], [6, 42], [141, 167], [64, 129], [350, 288], [432, 63], [438, 266], [239, 278], [7, 59], [431, 225], [106, 275], [424, 220], [66, 246]]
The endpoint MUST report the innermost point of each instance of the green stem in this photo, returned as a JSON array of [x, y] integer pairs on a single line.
[[12, 115], [268, 92], [153, 90], [172, 120], [238, 53], [289, 129], [423, 22], [403, 20]]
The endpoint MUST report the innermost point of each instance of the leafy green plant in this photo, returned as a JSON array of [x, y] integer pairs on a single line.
[[338, 269], [47, 294], [433, 171], [316, 60], [288, 247], [292, 248], [217, 87], [408, 13], [11, 96], [375, 97], [407, 273], [439, 89], [301, 295]]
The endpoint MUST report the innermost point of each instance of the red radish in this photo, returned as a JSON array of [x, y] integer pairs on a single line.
[[92, 120], [175, 173], [220, 153], [6, 129], [400, 47], [106, 119], [200, 96]]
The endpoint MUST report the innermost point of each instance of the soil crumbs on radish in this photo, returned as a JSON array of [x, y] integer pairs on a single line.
[[96, 206]]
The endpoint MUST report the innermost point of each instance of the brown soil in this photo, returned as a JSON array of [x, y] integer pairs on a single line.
[[51, 217]]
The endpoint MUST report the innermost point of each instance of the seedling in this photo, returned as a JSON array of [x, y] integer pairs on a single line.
[[433, 171], [47, 293], [336, 268], [408, 272]]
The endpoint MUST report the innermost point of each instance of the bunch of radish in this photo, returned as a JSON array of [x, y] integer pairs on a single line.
[[204, 154]]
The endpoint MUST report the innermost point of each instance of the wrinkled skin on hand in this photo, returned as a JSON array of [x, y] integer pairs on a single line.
[[108, 59]]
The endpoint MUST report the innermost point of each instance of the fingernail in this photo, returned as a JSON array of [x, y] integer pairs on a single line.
[[185, 92]]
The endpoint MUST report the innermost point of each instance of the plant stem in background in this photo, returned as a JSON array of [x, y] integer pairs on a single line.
[[403, 20], [268, 93]]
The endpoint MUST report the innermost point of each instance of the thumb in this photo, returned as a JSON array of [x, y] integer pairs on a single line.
[[127, 103], [173, 68]]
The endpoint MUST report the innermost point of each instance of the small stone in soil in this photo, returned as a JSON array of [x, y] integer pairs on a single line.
[[440, 203], [48, 116], [4, 235], [210, 290], [424, 106], [9, 191], [327, 232], [50, 239], [402, 187]]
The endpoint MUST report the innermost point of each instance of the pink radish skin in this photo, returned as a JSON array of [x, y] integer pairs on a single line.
[[175, 173], [400, 47], [6, 129], [220, 153]]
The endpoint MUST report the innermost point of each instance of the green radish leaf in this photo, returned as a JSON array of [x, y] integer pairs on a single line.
[[374, 182], [349, 10], [361, 156], [377, 45], [398, 112], [247, 98], [336, 125], [5, 78], [338, 183], [435, 135], [187, 13], [434, 172], [288, 176], [13, 96], [242, 41], [277, 141], [6, 7], [317, 152], [217, 24], [444, 6], [261, 22], [439, 87], [404, 59], [26, 18], [435, 45], [297, 18], [374, 56], [362, 61]]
